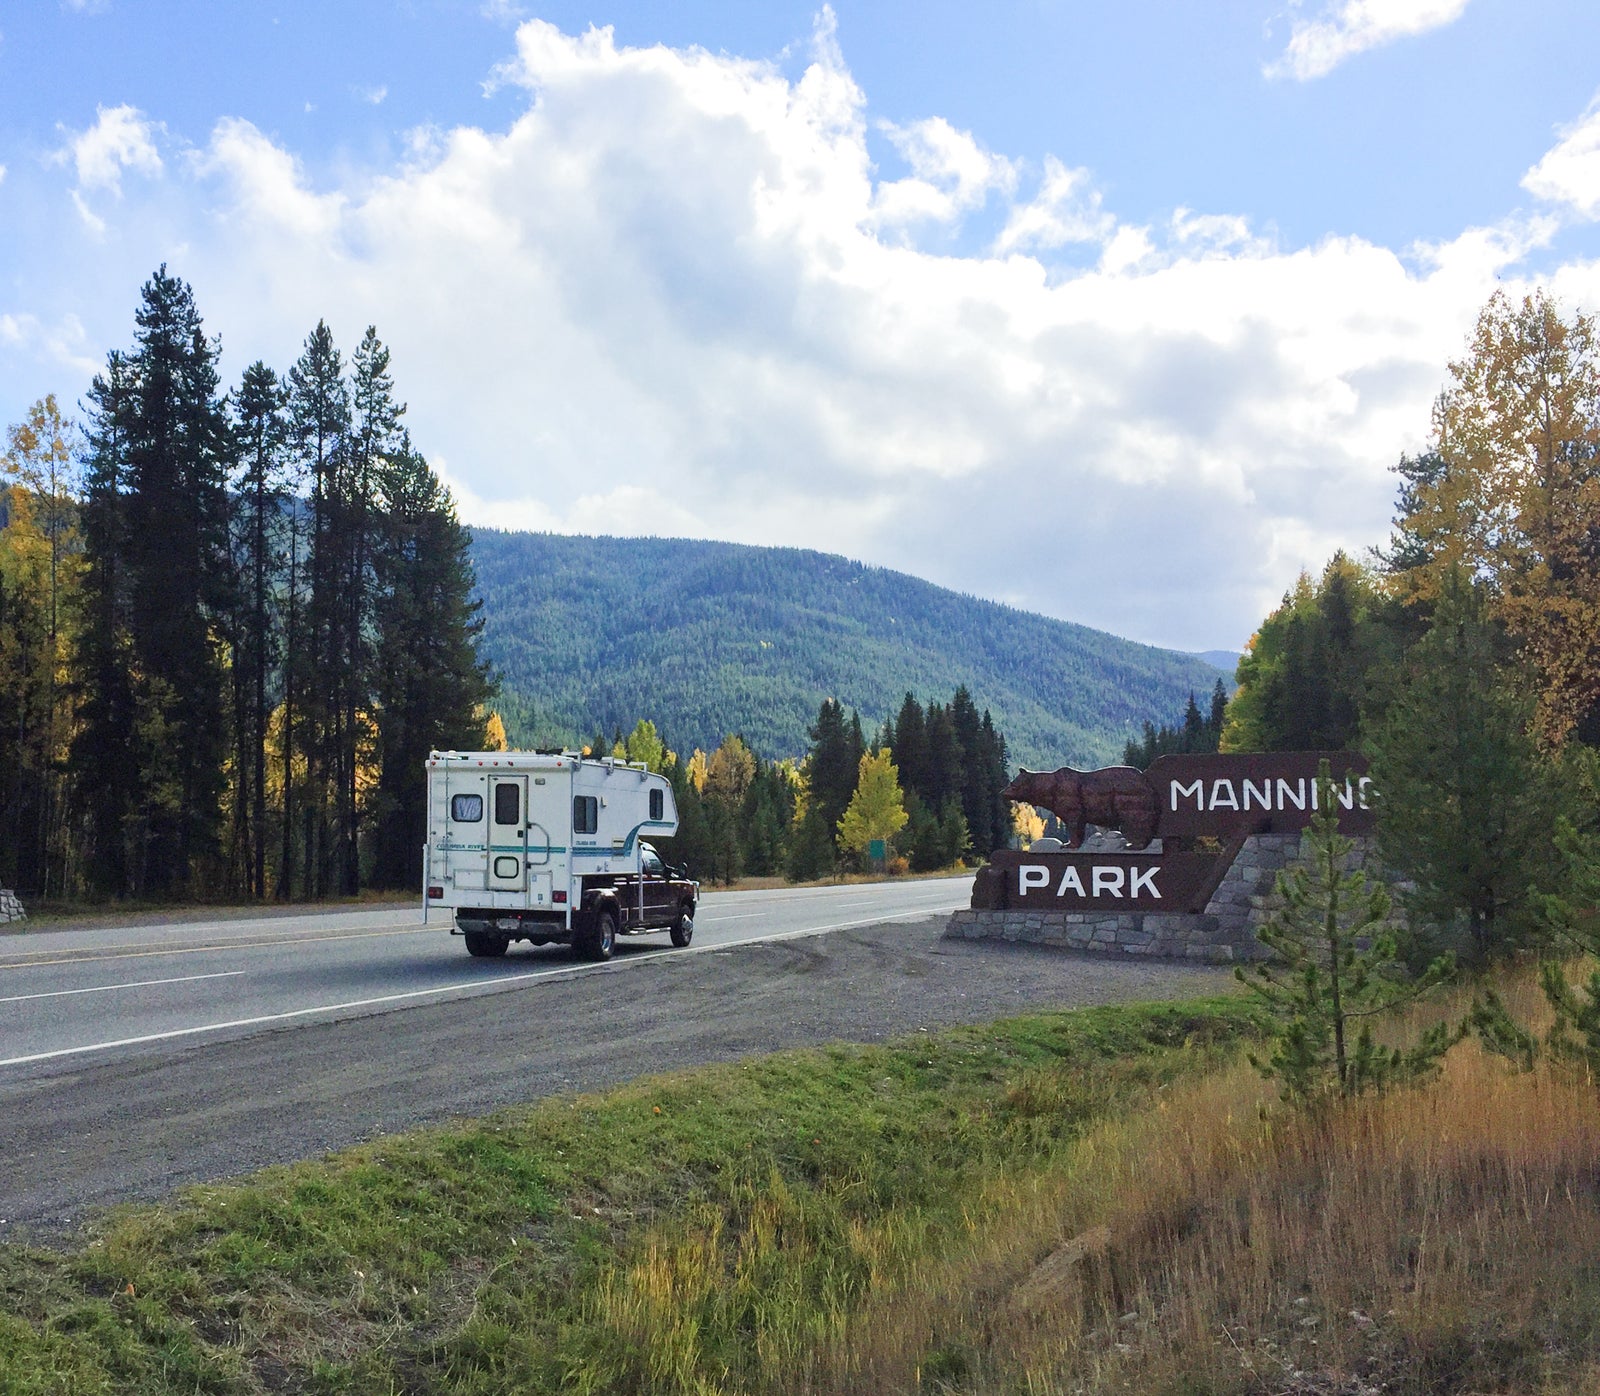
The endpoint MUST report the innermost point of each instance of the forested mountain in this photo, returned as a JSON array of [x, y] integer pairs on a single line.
[[710, 638]]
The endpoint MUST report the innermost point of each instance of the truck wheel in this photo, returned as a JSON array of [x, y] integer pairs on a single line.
[[600, 939], [485, 945], [683, 927]]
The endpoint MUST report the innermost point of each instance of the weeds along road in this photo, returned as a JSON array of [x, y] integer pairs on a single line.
[[135, 1059]]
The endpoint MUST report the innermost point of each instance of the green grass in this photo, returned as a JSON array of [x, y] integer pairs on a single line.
[[714, 1230]]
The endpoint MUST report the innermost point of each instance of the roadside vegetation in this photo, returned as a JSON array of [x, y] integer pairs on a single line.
[[1101, 1201], [726, 1229]]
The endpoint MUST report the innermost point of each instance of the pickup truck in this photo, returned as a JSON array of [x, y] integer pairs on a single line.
[[546, 847]]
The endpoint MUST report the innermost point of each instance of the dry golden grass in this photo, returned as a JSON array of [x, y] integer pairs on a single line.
[[1438, 1240], [1445, 1239]]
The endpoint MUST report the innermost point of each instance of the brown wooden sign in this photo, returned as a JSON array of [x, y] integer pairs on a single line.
[[1105, 881], [1271, 792], [1189, 797], [1179, 799]]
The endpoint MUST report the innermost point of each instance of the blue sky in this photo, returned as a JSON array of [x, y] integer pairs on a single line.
[[1119, 313]]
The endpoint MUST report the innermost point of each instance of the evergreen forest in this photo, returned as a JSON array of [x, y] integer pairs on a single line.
[[233, 623]]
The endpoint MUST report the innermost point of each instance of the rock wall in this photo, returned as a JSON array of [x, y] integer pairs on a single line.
[[1224, 932], [10, 907]]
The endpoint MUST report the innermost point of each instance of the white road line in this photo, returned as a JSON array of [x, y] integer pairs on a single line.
[[742, 916], [139, 953], [266, 1018], [480, 986], [106, 988]]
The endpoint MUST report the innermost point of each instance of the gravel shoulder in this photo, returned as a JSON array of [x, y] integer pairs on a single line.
[[135, 1129]]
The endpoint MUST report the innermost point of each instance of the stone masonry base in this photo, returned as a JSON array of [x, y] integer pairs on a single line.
[[1223, 933], [1162, 935]]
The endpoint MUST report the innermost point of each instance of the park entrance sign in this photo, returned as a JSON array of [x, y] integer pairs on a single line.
[[1220, 797], [1202, 808]]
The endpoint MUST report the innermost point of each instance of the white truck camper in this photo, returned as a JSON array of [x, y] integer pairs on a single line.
[[548, 847]]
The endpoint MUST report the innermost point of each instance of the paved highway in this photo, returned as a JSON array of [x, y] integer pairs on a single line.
[[71, 998], [135, 1060]]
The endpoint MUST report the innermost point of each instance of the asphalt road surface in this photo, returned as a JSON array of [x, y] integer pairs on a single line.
[[135, 1059], [147, 989]]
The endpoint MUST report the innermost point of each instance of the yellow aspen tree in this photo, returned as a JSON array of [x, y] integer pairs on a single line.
[[697, 770], [645, 744], [40, 574], [729, 772], [877, 810], [494, 733], [1026, 823], [1517, 501]]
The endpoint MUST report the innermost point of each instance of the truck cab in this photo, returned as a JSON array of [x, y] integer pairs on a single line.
[[549, 847]]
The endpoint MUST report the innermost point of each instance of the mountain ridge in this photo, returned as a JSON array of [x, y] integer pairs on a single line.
[[708, 638]]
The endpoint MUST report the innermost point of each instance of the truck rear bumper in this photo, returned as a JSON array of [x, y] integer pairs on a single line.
[[540, 927]]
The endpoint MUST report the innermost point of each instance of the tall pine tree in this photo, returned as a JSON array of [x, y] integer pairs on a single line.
[[157, 574], [104, 782], [260, 430], [319, 414], [431, 686]]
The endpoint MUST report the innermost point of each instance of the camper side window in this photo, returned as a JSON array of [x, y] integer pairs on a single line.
[[657, 804], [585, 814], [466, 809], [507, 804]]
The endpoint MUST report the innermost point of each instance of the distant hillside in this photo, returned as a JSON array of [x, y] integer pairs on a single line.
[[711, 638]]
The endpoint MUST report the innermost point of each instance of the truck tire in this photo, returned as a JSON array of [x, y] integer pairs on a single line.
[[600, 939], [485, 945], [683, 926]]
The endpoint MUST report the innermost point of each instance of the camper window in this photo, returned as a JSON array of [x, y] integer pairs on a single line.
[[507, 804], [466, 809], [585, 814], [657, 804]]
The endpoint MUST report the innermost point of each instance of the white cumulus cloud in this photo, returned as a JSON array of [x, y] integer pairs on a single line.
[[120, 139], [673, 295], [1347, 27], [1569, 173], [951, 174], [1067, 209]]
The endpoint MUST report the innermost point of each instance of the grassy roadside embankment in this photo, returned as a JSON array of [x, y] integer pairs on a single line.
[[1106, 1200], [727, 1228]]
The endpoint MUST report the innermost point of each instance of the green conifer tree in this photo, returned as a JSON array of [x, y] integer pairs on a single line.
[[104, 783], [431, 688], [1336, 969], [319, 413], [834, 761], [1465, 804], [260, 435], [175, 576], [690, 847]]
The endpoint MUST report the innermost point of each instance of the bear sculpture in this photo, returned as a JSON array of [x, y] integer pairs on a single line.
[[1117, 797]]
